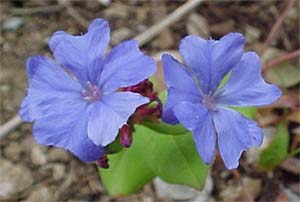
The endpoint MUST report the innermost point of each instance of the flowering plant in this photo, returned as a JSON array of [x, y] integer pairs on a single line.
[[94, 104], [195, 101]]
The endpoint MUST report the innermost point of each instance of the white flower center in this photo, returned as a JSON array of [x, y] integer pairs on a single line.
[[91, 93], [208, 101]]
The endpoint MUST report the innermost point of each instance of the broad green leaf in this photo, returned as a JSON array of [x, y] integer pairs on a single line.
[[277, 151], [174, 158], [248, 112], [127, 171], [167, 129]]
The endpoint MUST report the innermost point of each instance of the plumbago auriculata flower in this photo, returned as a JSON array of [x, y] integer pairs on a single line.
[[195, 101], [83, 112]]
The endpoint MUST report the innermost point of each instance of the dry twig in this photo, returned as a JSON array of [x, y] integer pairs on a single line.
[[68, 181], [73, 13], [148, 34], [282, 58], [34, 10], [274, 31], [10, 125]]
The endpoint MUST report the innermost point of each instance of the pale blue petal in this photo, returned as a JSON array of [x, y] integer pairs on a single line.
[[246, 86], [211, 60], [103, 124], [125, 66], [49, 84], [227, 52], [196, 53], [173, 98], [235, 135], [196, 118], [56, 38], [83, 55], [66, 127], [180, 85], [110, 114]]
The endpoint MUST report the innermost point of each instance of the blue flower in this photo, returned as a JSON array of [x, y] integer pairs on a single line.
[[195, 101], [75, 101]]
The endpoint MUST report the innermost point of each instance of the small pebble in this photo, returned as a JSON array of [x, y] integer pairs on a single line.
[[41, 194], [13, 151], [59, 171], [12, 24], [14, 179], [181, 192], [57, 154], [38, 156]]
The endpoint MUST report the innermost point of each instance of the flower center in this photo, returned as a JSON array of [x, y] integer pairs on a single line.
[[91, 92], [208, 101]]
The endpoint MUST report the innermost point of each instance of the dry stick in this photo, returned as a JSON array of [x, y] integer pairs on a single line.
[[33, 10], [147, 35], [247, 193], [66, 183], [274, 31], [10, 125], [73, 13], [282, 58]]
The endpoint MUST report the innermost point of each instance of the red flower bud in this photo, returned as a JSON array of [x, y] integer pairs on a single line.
[[103, 162], [145, 112], [125, 136]]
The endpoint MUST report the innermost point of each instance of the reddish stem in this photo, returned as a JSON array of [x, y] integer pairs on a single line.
[[282, 58], [274, 31]]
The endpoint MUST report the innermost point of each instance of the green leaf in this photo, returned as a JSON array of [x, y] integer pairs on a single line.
[[174, 158], [166, 129], [162, 96], [295, 152], [224, 80], [248, 112], [277, 151], [114, 147], [127, 171]]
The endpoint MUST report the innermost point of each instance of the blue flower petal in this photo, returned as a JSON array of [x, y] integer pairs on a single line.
[[56, 38], [211, 60], [196, 54], [83, 55], [110, 114], [33, 63], [125, 66], [196, 118], [181, 87], [246, 87], [49, 84], [66, 127], [235, 135], [175, 97]]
